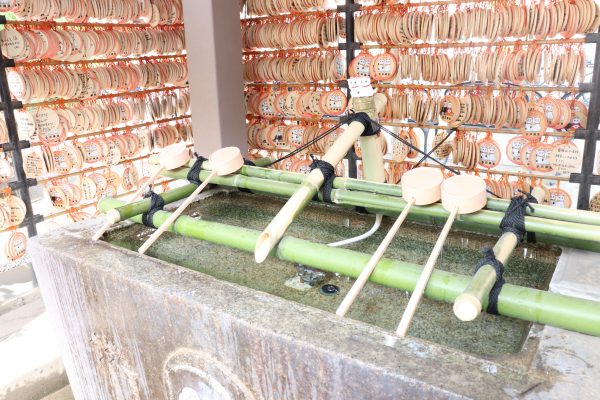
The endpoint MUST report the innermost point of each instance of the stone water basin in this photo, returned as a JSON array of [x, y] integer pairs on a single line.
[[260, 330], [491, 336]]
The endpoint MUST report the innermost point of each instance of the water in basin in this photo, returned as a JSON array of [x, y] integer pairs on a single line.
[[490, 336]]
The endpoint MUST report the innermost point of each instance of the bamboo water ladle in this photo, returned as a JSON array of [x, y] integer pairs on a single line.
[[223, 162], [420, 186], [461, 194], [170, 158]]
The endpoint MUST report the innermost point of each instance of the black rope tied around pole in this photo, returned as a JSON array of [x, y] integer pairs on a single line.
[[328, 172], [363, 118], [156, 204], [193, 175], [514, 217], [489, 258]]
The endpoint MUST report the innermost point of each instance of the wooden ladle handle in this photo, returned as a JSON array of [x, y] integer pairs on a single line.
[[417, 294], [370, 267], [175, 215], [110, 223]]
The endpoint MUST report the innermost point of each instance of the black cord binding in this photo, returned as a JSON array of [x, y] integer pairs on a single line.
[[489, 258], [370, 128], [156, 204], [328, 173], [514, 217], [194, 175]]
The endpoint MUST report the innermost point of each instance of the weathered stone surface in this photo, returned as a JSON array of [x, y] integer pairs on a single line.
[[577, 274], [574, 358]]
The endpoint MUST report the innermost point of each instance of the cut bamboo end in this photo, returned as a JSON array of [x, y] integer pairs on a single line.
[[467, 307], [264, 244]]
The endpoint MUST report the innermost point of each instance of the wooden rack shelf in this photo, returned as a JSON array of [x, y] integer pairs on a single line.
[[292, 85], [43, 63], [293, 119], [283, 17], [483, 86], [470, 128], [61, 102], [120, 129], [53, 24], [452, 45], [401, 6], [350, 10], [295, 50], [414, 125], [425, 86], [15, 145], [99, 168]]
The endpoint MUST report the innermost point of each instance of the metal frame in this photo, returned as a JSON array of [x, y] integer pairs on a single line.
[[586, 179], [15, 145], [349, 8]]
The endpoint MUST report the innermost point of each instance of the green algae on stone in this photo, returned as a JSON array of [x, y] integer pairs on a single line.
[[531, 266]]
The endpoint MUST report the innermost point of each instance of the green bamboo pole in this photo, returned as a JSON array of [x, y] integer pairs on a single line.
[[297, 178], [554, 232], [277, 227], [469, 304], [552, 239], [580, 231], [540, 211], [528, 304], [275, 230], [489, 218], [373, 164], [127, 211]]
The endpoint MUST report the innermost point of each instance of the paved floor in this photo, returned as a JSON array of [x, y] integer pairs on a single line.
[[30, 365], [15, 285], [63, 394]]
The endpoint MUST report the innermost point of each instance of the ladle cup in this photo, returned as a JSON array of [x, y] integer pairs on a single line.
[[420, 186], [461, 194], [223, 162], [171, 157]]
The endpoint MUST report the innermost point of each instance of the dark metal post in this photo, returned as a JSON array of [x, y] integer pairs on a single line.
[[8, 107], [586, 178], [350, 46]]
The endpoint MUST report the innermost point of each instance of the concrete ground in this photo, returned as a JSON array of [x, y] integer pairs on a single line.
[[30, 363], [63, 394]]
